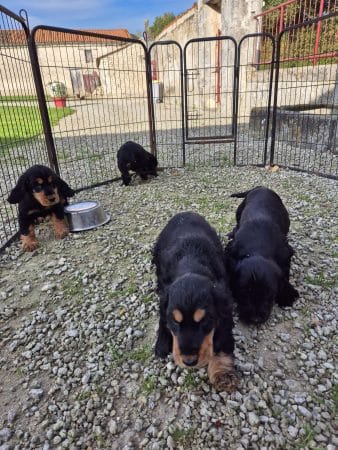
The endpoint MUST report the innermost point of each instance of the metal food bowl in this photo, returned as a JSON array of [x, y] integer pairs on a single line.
[[86, 215]]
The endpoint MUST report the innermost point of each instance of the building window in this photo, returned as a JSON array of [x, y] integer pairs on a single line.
[[88, 56]]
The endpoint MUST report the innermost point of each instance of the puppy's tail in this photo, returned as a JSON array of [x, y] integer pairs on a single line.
[[244, 194]]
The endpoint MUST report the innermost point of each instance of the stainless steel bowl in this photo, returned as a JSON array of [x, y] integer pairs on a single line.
[[83, 216]]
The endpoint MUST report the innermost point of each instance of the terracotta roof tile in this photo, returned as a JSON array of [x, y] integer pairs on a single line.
[[17, 37]]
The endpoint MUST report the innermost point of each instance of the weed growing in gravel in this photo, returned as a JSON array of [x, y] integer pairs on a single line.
[[84, 395], [307, 438], [99, 440], [182, 437], [335, 396], [22, 371], [148, 384], [71, 288], [141, 354], [146, 298], [322, 280], [191, 381], [117, 355], [122, 292]]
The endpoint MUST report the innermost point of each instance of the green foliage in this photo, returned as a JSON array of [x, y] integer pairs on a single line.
[[268, 4], [160, 23], [183, 437], [148, 385]]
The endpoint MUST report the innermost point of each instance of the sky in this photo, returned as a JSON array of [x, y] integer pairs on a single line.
[[96, 14]]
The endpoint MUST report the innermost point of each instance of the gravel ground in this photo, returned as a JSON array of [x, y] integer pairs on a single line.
[[78, 319]]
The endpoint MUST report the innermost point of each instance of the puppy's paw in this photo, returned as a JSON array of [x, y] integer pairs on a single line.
[[60, 228], [222, 373], [225, 381], [29, 244], [287, 295], [162, 349], [61, 233]]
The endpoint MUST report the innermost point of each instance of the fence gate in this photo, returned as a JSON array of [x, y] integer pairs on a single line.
[[166, 62], [210, 89]]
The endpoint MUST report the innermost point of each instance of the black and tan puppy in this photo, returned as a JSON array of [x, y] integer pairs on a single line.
[[259, 255], [134, 157], [195, 300], [40, 193]]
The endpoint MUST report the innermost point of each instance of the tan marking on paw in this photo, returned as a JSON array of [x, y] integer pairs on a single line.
[[29, 242], [222, 373], [60, 228]]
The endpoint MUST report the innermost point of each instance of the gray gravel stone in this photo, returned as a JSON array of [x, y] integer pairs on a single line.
[[87, 340]]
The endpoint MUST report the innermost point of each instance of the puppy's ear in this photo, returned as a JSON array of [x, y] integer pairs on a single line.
[[18, 191], [287, 294], [63, 188]]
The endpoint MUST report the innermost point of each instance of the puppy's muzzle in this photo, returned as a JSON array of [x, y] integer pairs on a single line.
[[190, 360]]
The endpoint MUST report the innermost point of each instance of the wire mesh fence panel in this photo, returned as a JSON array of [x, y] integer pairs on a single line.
[[209, 75], [306, 103], [254, 100], [21, 133], [104, 79], [167, 95]]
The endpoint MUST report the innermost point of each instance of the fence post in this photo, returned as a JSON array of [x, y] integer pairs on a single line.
[[52, 157], [319, 27], [281, 19], [150, 101]]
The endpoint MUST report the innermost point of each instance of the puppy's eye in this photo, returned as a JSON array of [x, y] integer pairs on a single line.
[[37, 188]]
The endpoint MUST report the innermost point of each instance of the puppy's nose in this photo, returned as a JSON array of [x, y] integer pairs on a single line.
[[190, 360], [51, 199]]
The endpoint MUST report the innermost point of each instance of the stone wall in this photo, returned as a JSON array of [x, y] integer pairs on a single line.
[[114, 68]]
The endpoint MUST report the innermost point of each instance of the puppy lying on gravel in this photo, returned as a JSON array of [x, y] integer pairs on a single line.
[[195, 300], [259, 255]]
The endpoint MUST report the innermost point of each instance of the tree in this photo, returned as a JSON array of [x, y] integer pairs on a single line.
[[159, 23]]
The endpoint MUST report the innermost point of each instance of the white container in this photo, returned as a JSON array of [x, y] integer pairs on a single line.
[[157, 91]]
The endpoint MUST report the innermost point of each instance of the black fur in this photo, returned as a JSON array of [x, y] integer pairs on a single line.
[[30, 209], [259, 255], [191, 275], [134, 157]]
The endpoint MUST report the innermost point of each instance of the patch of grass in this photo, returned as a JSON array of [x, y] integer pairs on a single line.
[[132, 289], [22, 371], [335, 396], [63, 156], [71, 288], [17, 98], [224, 161], [20, 159], [21, 123], [84, 395], [101, 443], [146, 299], [141, 354], [304, 197], [307, 438], [148, 384], [322, 280], [117, 354], [191, 381], [182, 437]]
